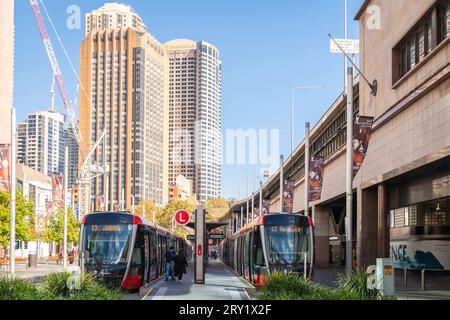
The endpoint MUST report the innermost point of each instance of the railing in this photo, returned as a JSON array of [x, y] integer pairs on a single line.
[[422, 276]]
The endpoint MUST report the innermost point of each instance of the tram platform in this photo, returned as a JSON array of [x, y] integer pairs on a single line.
[[220, 284]]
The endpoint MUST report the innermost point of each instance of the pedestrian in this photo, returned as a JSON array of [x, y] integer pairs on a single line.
[[180, 264], [169, 263]]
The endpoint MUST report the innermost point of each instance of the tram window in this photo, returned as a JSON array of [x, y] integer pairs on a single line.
[[259, 256]]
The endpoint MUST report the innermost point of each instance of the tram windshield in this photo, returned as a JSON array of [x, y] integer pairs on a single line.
[[106, 244], [287, 244]]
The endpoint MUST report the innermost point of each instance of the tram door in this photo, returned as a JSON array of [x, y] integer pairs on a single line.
[[146, 257], [153, 256], [241, 249], [247, 271], [251, 266]]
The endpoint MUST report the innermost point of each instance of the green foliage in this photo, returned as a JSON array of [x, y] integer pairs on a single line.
[[56, 287], [294, 287], [55, 227], [25, 218], [165, 215], [18, 289], [217, 209], [357, 282], [150, 207]]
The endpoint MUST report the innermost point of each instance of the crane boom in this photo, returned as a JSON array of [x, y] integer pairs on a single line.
[[84, 176], [56, 69]]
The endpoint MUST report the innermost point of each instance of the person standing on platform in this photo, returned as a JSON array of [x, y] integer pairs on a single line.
[[169, 263], [180, 264]]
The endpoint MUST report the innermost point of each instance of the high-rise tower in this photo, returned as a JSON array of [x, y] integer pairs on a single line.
[[123, 91], [195, 115]]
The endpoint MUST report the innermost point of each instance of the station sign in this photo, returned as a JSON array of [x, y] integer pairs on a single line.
[[182, 217], [350, 46], [191, 237], [216, 236]]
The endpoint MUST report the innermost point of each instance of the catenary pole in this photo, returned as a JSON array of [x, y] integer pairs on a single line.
[[307, 157], [349, 174], [66, 164], [12, 244]]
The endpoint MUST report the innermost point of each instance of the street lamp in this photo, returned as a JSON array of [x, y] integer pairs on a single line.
[[293, 109]]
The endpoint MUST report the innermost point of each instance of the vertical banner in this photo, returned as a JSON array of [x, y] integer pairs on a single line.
[[316, 166], [266, 206], [48, 207], [288, 196], [362, 128], [58, 189], [5, 176], [101, 205]]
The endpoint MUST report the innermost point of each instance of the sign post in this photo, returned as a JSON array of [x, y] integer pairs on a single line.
[[200, 226]]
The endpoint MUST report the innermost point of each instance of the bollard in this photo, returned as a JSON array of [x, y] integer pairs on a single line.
[[305, 257], [423, 279], [405, 276]]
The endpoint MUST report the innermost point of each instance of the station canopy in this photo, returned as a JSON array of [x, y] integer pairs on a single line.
[[209, 225]]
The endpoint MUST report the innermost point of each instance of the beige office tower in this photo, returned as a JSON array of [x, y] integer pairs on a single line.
[[124, 92], [195, 115], [113, 16], [6, 69]]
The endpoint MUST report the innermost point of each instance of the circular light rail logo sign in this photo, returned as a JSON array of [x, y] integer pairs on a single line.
[[182, 217]]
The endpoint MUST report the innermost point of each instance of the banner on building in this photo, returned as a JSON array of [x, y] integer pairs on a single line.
[[362, 128], [266, 206], [316, 166], [58, 189], [5, 176], [48, 207], [288, 196], [101, 204]]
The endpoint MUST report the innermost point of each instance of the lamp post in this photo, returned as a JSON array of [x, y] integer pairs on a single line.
[[293, 110]]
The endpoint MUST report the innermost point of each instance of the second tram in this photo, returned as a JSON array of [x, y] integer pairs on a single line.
[[277, 241]]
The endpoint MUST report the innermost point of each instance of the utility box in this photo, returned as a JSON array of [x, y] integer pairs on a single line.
[[385, 276]]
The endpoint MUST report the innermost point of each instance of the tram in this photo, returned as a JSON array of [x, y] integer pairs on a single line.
[[277, 241], [125, 250]]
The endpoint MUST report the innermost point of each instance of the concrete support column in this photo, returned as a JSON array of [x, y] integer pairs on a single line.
[[367, 227], [322, 236], [383, 230]]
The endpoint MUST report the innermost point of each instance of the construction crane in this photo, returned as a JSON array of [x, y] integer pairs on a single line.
[[86, 169]]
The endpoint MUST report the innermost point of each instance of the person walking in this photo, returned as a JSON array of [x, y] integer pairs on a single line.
[[170, 254], [180, 264]]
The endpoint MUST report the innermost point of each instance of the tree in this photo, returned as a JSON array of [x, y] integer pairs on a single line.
[[150, 207], [165, 216], [55, 227], [25, 218], [218, 209]]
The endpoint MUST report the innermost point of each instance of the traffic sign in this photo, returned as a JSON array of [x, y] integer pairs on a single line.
[[210, 241], [350, 46], [191, 237], [182, 217]]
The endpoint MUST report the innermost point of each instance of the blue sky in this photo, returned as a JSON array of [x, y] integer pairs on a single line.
[[267, 48]]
